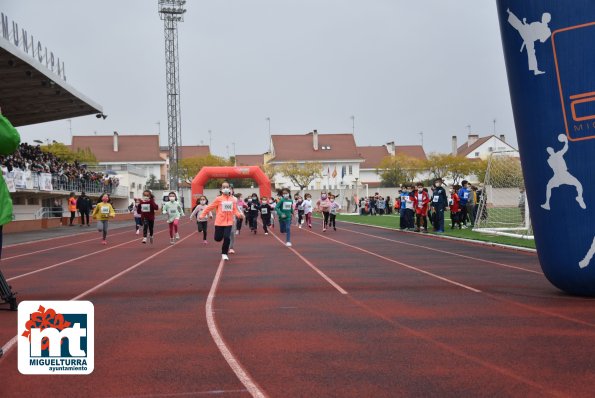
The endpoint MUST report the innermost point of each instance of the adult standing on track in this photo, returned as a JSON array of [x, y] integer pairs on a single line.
[[226, 207], [439, 203], [84, 206], [72, 207], [9, 142]]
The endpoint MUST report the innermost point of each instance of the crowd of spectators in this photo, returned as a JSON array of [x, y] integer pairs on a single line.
[[67, 175]]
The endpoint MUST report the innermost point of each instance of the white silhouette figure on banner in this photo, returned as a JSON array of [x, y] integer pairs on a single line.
[[585, 261], [561, 174], [530, 33]]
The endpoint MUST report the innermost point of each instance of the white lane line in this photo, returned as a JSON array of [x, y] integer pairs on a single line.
[[445, 252], [411, 267], [10, 344], [309, 264], [231, 360], [58, 247]]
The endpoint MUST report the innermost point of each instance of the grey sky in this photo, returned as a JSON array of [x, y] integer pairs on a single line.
[[400, 67]]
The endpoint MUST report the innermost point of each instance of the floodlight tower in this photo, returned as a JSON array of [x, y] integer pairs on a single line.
[[172, 12]]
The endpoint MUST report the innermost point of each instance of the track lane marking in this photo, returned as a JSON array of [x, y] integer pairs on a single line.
[[231, 360]]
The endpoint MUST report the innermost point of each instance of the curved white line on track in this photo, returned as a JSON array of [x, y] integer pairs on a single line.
[[309, 264], [411, 267], [231, 360], [10, 344]]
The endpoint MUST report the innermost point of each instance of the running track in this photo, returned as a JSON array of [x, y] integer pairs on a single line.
[[362, 312]]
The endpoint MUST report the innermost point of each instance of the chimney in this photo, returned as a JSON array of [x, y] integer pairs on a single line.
[[471, 138], [315, 139], [502, 137], [390, 147], [455, 147], [115, 141]]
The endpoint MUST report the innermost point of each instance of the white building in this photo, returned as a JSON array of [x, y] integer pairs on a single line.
[[481, 148]]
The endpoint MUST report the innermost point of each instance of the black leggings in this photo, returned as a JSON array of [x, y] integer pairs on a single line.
[[202, 227], [72, 216], [326, 215], [148, 224], [300, 216], [266, 221], [332, 221], [84, 216], [239, 223], [223, 233]]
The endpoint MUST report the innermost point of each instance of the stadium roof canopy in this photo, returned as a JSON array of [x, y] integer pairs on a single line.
[[31, 93]]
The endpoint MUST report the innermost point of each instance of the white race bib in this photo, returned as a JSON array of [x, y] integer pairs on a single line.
[[173, 211], [436, 198], [333, 210], [145, 207], [104, 210], [264, 210], [466, 195], [227, 205], [287, 205]]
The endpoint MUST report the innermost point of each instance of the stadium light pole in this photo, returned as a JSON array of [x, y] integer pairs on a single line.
[[172, 12]]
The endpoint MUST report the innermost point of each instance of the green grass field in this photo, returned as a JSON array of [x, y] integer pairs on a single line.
[[392, 221]]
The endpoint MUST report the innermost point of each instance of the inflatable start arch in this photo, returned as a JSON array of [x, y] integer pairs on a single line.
[[208, 173]]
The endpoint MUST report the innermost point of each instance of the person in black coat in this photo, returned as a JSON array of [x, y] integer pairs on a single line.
[[439, 203], [84, 206]]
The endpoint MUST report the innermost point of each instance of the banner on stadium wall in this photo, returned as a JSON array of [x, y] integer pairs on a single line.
[[19, 179], [45, 182], [549, 49], [10, 184], [28, 179]]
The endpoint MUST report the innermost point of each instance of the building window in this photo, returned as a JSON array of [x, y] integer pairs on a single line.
[[131, 195], [490, 149], [132, 185], [476, 154], [350, 170]]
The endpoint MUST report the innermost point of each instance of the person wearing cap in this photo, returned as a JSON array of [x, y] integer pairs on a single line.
[[439, 203]]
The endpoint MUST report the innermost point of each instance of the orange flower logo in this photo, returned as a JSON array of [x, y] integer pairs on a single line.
[[43, 319]]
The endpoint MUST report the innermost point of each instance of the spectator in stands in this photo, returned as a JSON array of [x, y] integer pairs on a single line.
[[84, 206]]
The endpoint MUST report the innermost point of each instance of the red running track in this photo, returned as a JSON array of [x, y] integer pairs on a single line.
[[358, 312]]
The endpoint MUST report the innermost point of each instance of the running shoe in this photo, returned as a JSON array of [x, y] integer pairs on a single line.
[[224, 257], [231, 251], [300, 226], [335, 228], [104, 242], [144, 240], [323, 229], [205, 242], [138, 231], [266, 233], [172, 241], [237, 232], [151, 239], [177, 236], [288, 244]]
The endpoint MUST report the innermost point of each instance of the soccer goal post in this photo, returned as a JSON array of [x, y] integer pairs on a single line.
[[503, 208]]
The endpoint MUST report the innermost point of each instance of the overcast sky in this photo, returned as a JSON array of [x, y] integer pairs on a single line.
[[400, 67]]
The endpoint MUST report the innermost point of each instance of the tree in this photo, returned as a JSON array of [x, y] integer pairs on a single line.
[[191, 166], [302, 174], [459, 167], [154, 184], [397, 170], [65, 154], [438, 165]]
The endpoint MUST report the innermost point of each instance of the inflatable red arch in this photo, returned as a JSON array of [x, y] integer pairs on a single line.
[[208, 173]]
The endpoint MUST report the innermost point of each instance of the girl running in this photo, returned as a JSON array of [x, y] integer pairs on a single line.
[[201, 204], [307, 205], [333, 210], [324, 205], [285, 210], [254, 209], [265, 214], [242, 208], [299, 205], [147, 208], [226, 206], [174, 211], [272, 205], [102, 213], [137, 216]]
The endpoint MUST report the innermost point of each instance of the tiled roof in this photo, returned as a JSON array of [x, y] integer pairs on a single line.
[[412, 151], [465, 149], [249, 160], [131, 148], [300, 147], [373, 155]]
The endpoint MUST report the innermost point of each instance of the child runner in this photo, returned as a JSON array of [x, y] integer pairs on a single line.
[[421, 201], [272, 205], [285, 210], [299, 204], [147, 208], [102, 213], [226, 206], [232, 237], [253, 209], [137, 216], [334, 208], [307, 205], [174, 211], [201, 204], [265, 214], [410, 209], [242, 207], [455, 209], [323, 205]]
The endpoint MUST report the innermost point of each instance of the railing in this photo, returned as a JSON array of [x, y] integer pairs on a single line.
[[53, 212]]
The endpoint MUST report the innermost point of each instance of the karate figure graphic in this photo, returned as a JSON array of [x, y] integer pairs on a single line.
[[585, 261], [561, 175], [530, 33]]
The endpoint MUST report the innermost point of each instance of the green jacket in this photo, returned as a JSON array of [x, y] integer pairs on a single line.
[[9, 142], [173, 210], [285, 209]]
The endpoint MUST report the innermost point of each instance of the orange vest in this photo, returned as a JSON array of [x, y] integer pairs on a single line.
[[72, 204]]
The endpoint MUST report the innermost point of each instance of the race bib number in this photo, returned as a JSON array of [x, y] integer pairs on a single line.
[[145, 208], [173, 211], [287, 205], [104, 210], [436, 198], [264, 210], [333, 210], [227, 206], [466, 195]]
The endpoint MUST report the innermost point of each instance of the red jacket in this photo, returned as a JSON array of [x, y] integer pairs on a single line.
[[454, 203], [150, 207], [421, 202]]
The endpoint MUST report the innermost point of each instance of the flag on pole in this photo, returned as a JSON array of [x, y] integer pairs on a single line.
[[335, 172]]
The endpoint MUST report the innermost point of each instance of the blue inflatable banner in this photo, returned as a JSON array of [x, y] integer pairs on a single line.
[[549, 48]]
